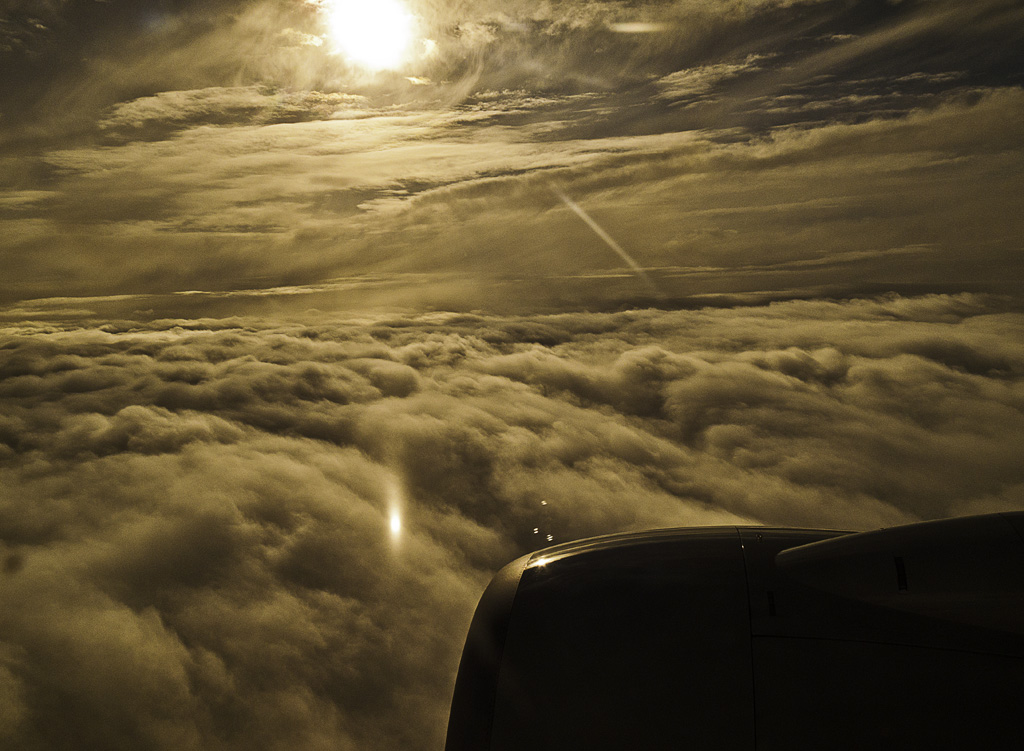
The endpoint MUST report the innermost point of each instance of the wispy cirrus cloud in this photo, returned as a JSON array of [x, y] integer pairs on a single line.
[[693, 83], [377, 190]]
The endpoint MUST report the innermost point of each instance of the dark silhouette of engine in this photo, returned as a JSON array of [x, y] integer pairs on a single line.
[[753, 638]]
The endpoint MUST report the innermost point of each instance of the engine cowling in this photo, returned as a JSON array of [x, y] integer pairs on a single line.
[[752, 638]]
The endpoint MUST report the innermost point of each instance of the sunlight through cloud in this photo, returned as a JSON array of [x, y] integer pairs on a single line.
[[376, 35]]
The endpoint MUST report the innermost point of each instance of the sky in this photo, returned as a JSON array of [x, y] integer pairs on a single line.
[[311, 320]]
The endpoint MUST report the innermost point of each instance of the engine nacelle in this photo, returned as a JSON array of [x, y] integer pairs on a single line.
[[752, 638]]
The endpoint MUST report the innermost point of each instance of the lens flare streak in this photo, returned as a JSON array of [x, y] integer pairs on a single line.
[[608, 239]]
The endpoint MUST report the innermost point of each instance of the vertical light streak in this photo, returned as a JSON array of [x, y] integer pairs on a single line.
[[395, 503]]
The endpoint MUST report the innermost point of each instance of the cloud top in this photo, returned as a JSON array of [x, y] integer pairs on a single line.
[[195, 515]]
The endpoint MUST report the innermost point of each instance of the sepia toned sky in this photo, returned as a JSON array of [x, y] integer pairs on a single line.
[[160, 148], [299, 343]]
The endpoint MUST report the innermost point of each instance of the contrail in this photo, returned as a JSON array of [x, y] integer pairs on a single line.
[[609, 240]]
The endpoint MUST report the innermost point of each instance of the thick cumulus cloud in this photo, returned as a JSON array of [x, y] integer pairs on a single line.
[[195, 515]]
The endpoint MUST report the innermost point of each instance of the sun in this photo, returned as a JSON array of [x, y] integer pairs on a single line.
[[374, 34]]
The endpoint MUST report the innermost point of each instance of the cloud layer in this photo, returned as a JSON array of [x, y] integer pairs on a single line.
[[224, 376], [194, 515], [927, 198]]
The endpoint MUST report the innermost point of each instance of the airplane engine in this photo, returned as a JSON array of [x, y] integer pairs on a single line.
[[718, 638]]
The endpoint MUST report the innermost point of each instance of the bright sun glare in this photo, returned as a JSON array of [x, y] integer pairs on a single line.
[[375, 34]]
